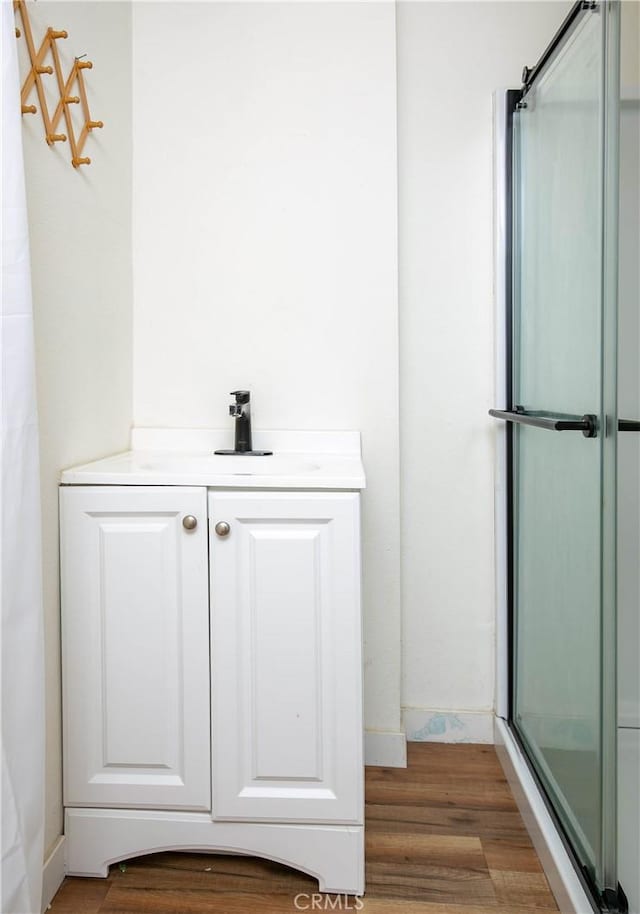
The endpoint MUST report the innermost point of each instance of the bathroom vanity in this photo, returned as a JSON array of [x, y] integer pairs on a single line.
[[211, 632]]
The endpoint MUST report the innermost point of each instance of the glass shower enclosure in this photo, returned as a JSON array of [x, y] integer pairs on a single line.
[[563, 427]]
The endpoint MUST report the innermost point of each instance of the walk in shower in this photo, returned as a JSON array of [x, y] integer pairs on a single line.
[[571, 462]]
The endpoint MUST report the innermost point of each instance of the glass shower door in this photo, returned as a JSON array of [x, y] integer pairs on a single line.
[[564, 446]]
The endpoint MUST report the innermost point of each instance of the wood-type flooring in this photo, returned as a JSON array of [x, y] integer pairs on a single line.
[[443, 836]]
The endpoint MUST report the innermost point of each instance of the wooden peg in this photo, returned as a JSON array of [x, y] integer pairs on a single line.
[[48, 70], [56, 138], [61, 34], [84, 64], [72, 100], [92, 124], [80, 161], [18, 32], [29, 109]]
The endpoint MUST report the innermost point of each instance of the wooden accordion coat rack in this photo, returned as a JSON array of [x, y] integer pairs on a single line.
[[73, 82]]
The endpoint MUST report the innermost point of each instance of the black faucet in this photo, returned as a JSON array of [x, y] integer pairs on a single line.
[[241, 411]]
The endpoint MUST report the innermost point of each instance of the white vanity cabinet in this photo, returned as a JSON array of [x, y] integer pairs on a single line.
[[212, 694]]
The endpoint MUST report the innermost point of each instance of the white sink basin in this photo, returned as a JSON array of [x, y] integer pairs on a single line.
[[162, 462]]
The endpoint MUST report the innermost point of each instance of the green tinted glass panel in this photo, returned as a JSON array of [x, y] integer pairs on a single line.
[[563, 491]]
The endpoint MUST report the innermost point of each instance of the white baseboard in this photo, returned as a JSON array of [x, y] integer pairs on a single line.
[[558, 868], [629, 814], [628, 713], [53, 872], [426, 725], [387, 748]]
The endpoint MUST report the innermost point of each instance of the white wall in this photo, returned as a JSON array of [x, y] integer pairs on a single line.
[[79, 224], [264, 233], [451, 57], [629, 407], [629, 462]]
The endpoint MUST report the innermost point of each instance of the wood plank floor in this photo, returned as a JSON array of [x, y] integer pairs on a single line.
[[444, 836]]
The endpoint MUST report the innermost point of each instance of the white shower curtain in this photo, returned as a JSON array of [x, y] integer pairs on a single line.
[[22, 652]]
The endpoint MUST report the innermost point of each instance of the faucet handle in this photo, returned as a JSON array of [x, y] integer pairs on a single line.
[[242, 396]]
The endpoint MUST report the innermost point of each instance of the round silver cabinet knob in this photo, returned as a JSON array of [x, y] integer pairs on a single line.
[[189, 522], [222, 528]]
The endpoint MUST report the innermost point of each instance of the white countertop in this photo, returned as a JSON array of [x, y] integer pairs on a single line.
[[184, 457]]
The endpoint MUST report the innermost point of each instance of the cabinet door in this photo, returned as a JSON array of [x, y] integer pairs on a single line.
[[135, 647], [286, 657]]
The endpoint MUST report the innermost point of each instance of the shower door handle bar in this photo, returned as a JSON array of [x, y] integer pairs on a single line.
[[587, 424], [628, 425]]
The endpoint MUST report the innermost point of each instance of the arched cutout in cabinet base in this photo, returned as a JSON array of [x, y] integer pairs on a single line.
[[96, 838]]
